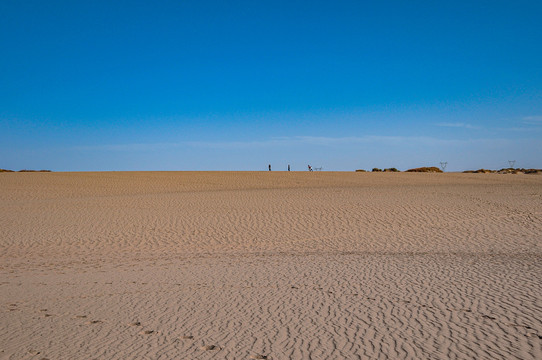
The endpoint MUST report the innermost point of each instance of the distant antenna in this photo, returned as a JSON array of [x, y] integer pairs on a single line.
[[512, 163], [443, 165]]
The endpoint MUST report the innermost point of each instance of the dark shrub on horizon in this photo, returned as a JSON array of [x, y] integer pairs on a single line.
[[376, 170], [504, 171], [519, 171], [25, 170], [426, 169], [479, 171]]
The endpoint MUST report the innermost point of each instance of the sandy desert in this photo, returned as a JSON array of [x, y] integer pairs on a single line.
[[270, 265]]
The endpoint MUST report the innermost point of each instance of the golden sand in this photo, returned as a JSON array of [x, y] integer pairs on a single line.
[[270, 265]]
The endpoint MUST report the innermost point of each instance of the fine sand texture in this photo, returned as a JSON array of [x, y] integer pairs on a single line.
[[270, 265]]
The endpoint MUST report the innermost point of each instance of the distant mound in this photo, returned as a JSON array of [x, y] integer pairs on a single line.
[[504, 171], [25, 170], [360, 170], [519, 171], [431, 169], [479, 171], [6, 170]]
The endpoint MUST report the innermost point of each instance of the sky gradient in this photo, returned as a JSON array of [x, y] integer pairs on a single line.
[[237, 85]]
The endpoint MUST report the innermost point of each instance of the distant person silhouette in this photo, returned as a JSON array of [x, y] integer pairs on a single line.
[[310, 167], [269, 167], [288, 167]]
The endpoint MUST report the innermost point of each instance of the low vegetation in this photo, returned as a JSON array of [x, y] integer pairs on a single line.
[[479, 171], [504, 171], [25, 170], [431, 169]]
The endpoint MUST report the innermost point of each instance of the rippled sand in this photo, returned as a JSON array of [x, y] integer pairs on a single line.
[[240, 265]]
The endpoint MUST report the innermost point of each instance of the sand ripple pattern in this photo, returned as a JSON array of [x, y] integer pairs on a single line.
[[46, 215], [270, 266]]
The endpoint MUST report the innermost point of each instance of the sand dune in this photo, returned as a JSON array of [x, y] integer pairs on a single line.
[[240, 265]]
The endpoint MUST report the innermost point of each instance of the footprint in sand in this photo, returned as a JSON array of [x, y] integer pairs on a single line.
[[187, 337], [80, 316], [147, 332], [259, 357], [209, 347]]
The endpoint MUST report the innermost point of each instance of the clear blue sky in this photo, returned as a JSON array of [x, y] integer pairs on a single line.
[[236, 85]]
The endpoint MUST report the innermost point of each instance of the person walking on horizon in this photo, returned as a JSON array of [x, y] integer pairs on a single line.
[[269, 166], [288, 167], [310, 167]]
